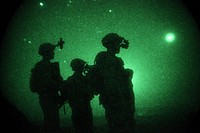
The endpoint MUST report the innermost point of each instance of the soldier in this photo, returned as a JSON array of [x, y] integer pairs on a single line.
[[78, 93], [46, 82], [115, 86]]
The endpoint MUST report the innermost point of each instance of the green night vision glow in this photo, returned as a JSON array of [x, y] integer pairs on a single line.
[[165, 76], [170, 37]]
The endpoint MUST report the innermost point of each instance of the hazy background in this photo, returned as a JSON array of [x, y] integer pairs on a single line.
[[166, 75]]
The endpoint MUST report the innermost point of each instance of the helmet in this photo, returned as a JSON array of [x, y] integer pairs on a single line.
[[112, 40], [46, 48], [77, 64]]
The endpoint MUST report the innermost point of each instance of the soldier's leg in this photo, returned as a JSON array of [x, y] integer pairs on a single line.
[[51, 114], [76, 120], [109, 115], [120, 120], [87, 119]]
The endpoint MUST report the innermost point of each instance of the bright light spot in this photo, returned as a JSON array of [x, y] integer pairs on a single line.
[[110, 10], [41, 4], [170, 37]]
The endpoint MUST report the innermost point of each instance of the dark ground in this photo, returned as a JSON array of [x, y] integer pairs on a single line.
[[149, 124], [13, 120]]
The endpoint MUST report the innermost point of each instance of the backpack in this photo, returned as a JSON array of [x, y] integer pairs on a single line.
[[33, 81], [94, 78]]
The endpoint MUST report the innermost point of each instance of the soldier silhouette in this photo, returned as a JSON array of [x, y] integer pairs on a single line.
[[46, 81], [78, 92], [114, 85]]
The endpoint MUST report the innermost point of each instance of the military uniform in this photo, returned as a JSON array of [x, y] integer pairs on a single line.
[[116, 91], [79, 94], [46, 81]]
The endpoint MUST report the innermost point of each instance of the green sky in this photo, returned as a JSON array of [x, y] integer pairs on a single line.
[[166, 73]]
